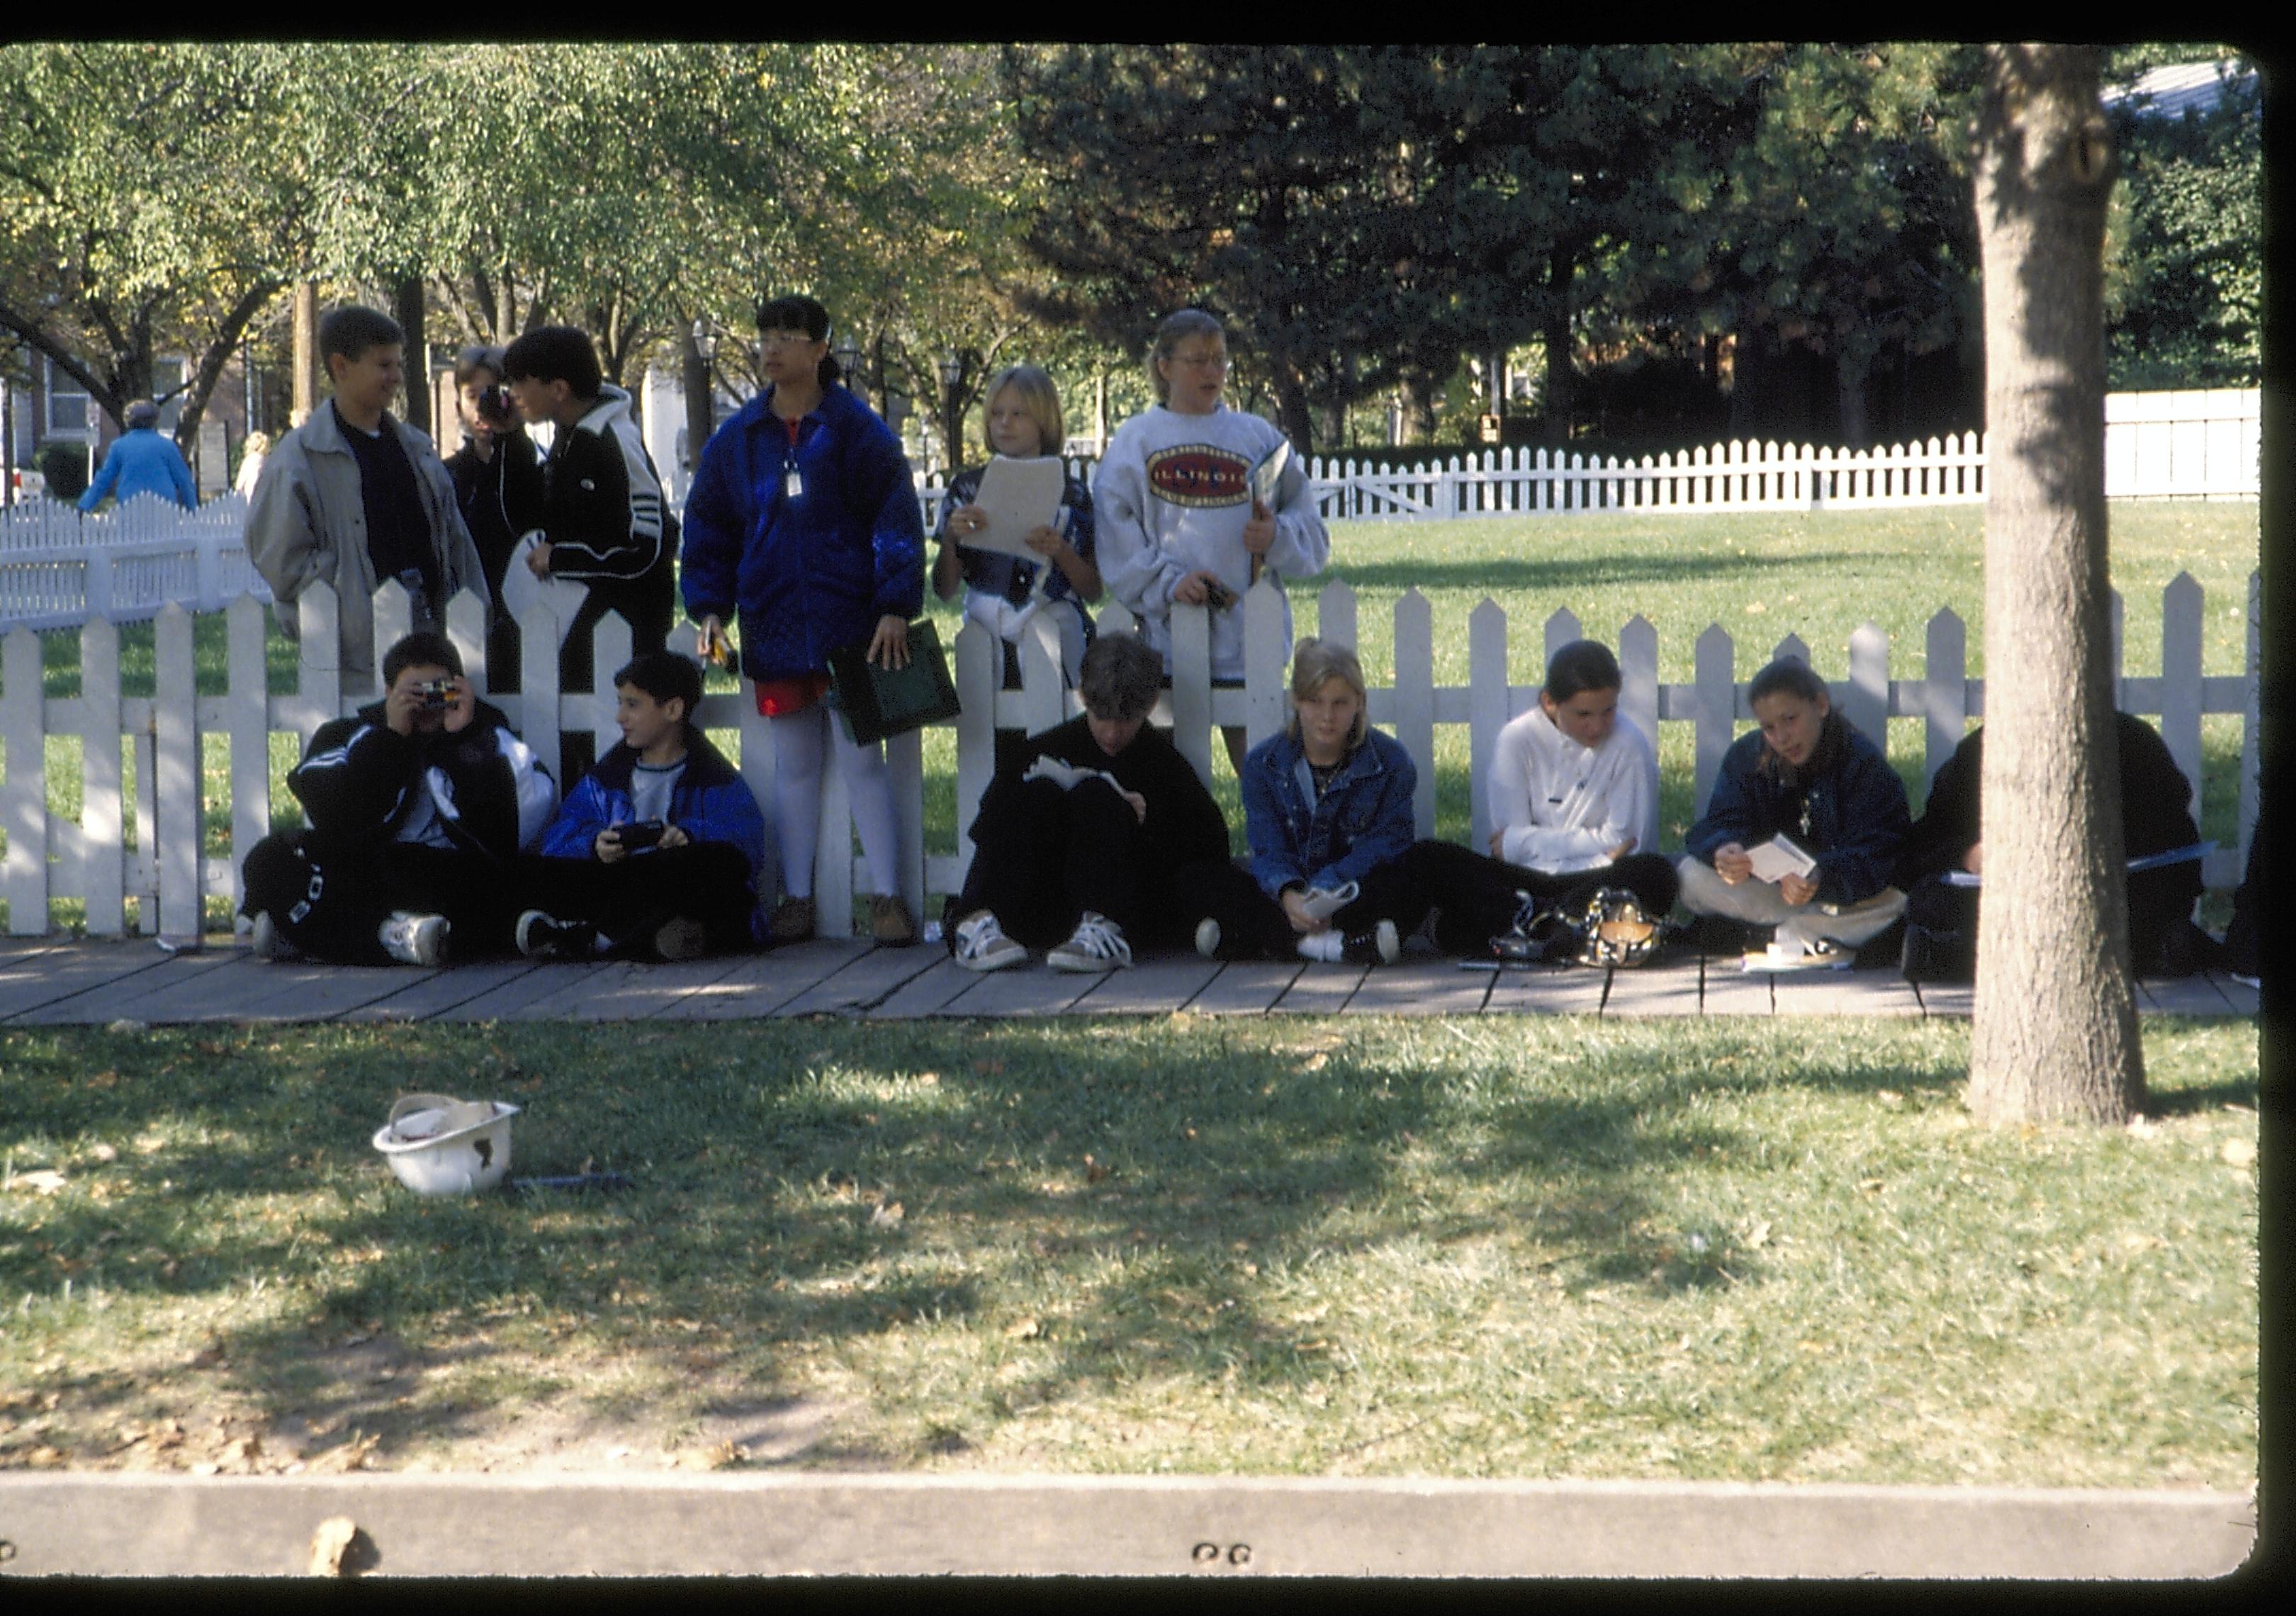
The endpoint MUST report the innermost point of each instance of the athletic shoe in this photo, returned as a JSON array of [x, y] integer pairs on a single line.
[[266, 940], [1207, 938], [889, 923], [1097, 944], [542, 936], [414, 940], [1537, 935], [792, 920], [1379, 946], [682, 938], [981, 944]]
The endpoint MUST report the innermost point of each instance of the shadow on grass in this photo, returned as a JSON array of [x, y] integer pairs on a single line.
[[1108, 1200]]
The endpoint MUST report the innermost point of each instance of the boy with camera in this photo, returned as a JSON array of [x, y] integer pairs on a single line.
[[418, 807], [655, 853]]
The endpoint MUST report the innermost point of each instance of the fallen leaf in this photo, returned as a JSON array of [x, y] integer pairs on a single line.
[[124, 1025], [1759, 1235], [1023, 1330], [341, 1548], [106, 1152], [2238, 1152], [1316, 1061], [928, 1079], [44, 1458], [1889, 1097], [1755, 609], [1870, 1185], [886, 1217], [728, 1452]]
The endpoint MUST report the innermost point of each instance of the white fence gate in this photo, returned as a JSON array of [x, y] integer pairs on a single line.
[[50, 856]]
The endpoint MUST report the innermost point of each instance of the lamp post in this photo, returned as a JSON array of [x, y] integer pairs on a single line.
[[951, 374], [701, 389], [848, 353]]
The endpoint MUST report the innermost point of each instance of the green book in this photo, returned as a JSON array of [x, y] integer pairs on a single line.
[[873, 702]]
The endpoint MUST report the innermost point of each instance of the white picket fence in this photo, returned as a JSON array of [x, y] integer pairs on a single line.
[[49, 857], [58, 568]]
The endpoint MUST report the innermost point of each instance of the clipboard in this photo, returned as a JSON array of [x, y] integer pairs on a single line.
[[873, 702], [523, 591], [1018, 496]]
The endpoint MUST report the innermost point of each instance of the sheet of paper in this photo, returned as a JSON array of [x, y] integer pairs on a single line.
[[1778, 858], [1018, 496], [521, 590], [1269, 472]]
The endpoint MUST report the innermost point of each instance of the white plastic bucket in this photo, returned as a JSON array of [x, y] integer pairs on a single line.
[[439, 1145]]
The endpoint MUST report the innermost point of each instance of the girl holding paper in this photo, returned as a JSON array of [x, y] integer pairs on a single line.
[[1004, 591], [1805, 774], [1179, 524], [803, 516]]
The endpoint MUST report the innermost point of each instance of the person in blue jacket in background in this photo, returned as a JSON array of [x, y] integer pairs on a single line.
[[655, 854], [141, 461], [803, 518]]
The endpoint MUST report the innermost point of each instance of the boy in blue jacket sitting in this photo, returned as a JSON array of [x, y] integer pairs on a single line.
[[655, 854]]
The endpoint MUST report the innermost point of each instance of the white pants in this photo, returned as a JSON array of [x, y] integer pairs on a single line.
[[1758, 903], [800, 743]]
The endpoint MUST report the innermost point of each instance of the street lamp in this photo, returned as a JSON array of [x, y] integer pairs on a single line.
[[951, 373], [849, 363]]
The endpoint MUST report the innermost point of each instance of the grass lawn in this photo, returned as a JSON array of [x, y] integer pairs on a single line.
[[1535, 1248], [1818, 575]]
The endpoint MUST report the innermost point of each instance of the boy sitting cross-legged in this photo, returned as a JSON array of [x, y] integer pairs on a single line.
[[655, 853]]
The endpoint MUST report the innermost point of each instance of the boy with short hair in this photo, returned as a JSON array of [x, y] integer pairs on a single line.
[[655, 853], [418, 807], [603, 521], [354, 496]]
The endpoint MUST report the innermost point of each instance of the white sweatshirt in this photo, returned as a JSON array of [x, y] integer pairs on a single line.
[[1171, 498], [1560, 807]]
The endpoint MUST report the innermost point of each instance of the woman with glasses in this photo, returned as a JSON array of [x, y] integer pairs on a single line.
[[803, 519], [1178, 522]]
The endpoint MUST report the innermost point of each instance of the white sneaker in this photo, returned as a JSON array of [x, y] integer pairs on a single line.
[[981, 944], [414, 940], [265, 940], [1324, 945], [1097, 944], [1207, 938]]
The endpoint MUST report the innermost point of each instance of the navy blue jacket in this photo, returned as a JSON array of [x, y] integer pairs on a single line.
[[1851, 818], [711, 802], [812, 574], [1362, 820]]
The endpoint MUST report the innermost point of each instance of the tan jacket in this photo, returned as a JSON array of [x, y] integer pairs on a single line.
[[307, 523]]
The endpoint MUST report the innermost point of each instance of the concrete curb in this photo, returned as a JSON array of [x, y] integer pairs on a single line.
[[881, 1525]]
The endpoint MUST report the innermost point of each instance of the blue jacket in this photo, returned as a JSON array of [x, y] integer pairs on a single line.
[[1851, 818], [711, 802], [812, 573], [142, 462], [1362, 820]]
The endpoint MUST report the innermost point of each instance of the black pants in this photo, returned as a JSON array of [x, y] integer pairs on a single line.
[[630, 901], [330, 897], [1476, 898], [1038, 867], [1941, 923]]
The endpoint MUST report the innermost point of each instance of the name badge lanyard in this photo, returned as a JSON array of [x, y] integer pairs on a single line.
[[793, 484]]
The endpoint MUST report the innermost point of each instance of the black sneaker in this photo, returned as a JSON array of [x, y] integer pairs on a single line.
[[1537, 936], [542, 936]]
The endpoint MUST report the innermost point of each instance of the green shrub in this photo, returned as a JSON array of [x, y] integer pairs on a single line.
[[64, 465]]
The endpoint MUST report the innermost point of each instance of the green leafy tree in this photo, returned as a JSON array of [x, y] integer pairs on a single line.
[[151, 197], [2185, 260]]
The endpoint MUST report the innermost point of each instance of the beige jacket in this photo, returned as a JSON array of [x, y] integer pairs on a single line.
[[307, 524]]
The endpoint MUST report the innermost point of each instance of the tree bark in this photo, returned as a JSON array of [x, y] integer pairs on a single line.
[[2055, 1032], [1562, 402], [306, 352], [406, 295], [694, 375]]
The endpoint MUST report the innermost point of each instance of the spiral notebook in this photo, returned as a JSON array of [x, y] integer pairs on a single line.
[[873, 702]]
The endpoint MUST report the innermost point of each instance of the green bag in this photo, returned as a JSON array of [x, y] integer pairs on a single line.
[[873, 702]]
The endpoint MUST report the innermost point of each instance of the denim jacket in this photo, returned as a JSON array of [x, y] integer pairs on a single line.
[[1363, 819]]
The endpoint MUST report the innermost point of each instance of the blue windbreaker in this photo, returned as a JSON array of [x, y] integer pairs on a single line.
[[711, 802], [142, 462], [811, 572]]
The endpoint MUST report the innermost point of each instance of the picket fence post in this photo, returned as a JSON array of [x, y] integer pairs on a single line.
[[24, 793]]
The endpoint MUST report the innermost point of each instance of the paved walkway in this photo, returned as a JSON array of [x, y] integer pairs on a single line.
[[49, 983]]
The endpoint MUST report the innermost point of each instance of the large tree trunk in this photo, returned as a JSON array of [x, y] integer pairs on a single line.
[[1562, 401], [306, 396], [694, 377], [406, 295], [2055, 1033]]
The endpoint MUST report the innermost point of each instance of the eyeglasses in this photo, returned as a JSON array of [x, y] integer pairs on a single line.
[[1212, 361], [780, 339]]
